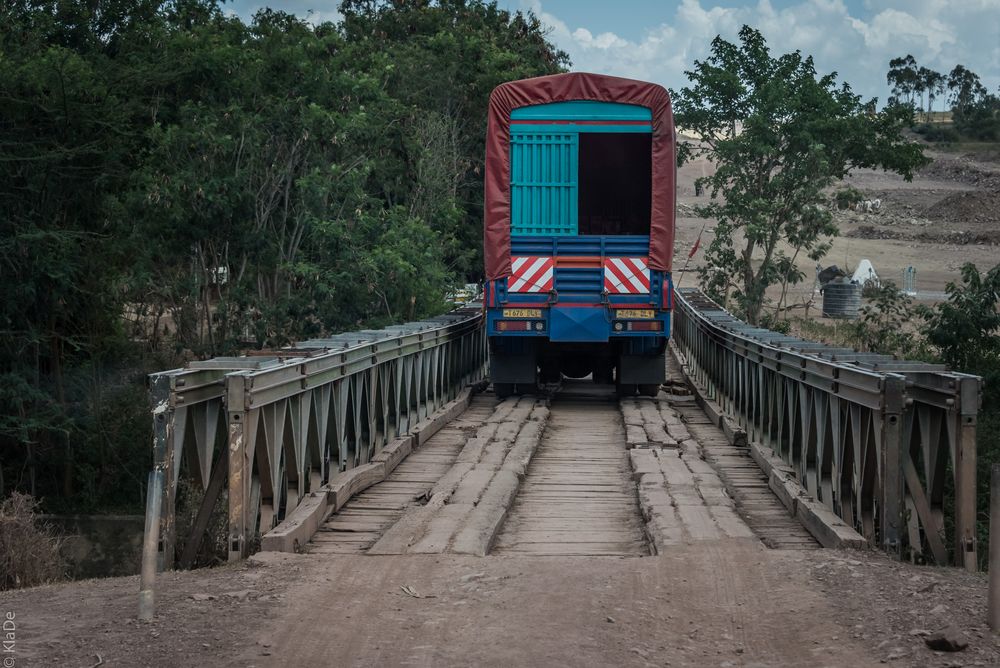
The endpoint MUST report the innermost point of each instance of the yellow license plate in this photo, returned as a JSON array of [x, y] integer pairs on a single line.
[[634, 313], [522, 313]]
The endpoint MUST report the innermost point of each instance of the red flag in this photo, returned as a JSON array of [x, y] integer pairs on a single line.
[[694, 249]]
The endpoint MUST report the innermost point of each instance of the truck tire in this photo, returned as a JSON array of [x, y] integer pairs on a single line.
[[649, 389]]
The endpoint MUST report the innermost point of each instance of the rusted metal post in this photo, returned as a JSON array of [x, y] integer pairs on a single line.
[[894, 391], [965, 474], [147, 582], [993, 597], [163, 460], [239, 473]]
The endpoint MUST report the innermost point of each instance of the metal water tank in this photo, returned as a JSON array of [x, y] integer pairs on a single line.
[[841, 300]]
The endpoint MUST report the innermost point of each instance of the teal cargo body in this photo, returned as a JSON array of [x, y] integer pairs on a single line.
[[544, 159]]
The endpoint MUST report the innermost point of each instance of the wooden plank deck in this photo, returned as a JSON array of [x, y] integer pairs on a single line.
[[356, 526], [578, 497]]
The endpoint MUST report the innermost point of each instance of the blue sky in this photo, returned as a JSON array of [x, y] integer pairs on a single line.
[[657, 40]]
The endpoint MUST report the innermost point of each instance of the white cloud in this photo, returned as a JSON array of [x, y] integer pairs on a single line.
[[939, 33]]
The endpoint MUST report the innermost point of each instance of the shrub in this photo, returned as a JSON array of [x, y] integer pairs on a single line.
[[846, 197], [939, 134], [29, 549], [882, 323]]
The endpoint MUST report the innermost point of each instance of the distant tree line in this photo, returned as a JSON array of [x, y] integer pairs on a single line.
[[176, 182], [975, 111]]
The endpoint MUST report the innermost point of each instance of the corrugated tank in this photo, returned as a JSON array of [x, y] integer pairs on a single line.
[[841, 300]]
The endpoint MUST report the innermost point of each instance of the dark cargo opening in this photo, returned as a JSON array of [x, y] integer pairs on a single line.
[[615, 183]]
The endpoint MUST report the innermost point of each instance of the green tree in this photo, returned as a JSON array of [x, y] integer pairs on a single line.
[[178, 183], [883, 320], [965, 88], [780, 136], [933, 83], [903, 79], [966, 327], [439, 61], [980, 120], [68, 142]]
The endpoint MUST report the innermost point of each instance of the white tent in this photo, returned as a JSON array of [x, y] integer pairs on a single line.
[[864, 273]]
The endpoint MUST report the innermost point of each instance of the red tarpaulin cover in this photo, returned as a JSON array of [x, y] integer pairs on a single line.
[[564, 88]]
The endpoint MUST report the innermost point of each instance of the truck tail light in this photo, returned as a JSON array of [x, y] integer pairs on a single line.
[[519, 325], [641, 326]]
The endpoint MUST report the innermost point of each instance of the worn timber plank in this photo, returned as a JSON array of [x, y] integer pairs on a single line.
[[577, 497], [365, 517]]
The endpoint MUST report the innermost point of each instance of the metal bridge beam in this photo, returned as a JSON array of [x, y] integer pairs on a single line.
[[271, 428], [870, 436]]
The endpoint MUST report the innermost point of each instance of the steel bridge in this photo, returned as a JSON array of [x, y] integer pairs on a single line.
[[286, 437], [274, 427]]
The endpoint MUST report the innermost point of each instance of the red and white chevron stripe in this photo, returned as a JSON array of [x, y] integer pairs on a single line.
[[626, 275], [531, 274]]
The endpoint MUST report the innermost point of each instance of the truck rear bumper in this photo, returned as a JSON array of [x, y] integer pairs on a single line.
[[590, 323], [620, 359]]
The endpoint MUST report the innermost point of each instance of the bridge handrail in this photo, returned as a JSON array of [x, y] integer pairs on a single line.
[[868, 435], [274, 426]]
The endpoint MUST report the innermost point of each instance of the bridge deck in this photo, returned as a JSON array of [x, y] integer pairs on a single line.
[[578, 496], [355, 527]]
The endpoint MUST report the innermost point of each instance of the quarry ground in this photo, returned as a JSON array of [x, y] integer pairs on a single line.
[[949, 214]]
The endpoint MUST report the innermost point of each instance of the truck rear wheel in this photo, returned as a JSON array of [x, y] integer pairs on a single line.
[[604, 373], [649, 389], [548, 371]]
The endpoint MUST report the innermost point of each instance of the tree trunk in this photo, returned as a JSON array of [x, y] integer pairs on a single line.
[[55, 350]]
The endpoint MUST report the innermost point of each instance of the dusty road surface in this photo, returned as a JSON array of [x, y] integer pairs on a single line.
[[721, 603]]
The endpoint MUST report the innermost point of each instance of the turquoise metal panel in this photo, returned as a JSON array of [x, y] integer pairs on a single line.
[[544, 159], [543, 183], [571, 127], [583, 110]]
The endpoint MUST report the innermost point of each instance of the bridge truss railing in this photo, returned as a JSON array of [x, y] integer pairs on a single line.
[[879, 441], [269, 428]]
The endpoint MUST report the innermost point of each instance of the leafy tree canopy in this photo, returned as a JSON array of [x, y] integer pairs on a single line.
[[176, 182], [780, 136]]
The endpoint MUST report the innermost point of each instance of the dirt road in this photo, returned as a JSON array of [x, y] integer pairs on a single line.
[[730, 602], [721, 603]]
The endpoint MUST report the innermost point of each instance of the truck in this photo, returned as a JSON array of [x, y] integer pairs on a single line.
[[579, 218]]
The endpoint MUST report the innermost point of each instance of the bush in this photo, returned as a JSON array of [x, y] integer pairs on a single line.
[[29, 550], [938, 134], [882, 323], [847, 197]]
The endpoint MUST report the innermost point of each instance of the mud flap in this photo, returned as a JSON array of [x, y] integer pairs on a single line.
[[647, 369], [516, 368]]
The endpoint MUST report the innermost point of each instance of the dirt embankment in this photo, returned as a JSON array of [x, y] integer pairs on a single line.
[[960, 207], [979, 170], [892, 607]]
